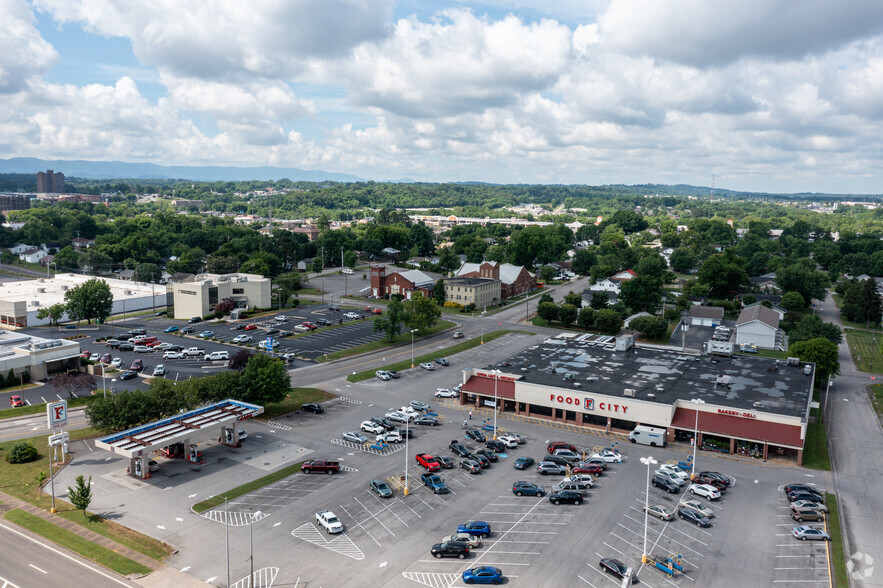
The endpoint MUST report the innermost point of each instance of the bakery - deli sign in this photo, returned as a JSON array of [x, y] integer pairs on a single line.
[[738, 413], [501, 377], [587, 403]]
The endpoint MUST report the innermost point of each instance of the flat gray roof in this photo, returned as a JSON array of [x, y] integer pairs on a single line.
[[665, 375]]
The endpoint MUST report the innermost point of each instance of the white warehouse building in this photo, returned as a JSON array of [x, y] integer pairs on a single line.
[[21, 301]]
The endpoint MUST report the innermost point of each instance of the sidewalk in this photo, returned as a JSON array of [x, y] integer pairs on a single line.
[[163, 574]]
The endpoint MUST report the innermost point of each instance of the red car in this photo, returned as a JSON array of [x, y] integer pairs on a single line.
[[309, 325], [152, 343], [370, 310], [556, 445], [137, 365], [587, 468], [15, 400], [251, 327], [86, 354], [105, 358], [427, 461]]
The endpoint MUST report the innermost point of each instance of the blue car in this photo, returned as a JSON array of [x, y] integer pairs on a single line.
[[171, 329], [522, 463], [483, 575], [480, 528]]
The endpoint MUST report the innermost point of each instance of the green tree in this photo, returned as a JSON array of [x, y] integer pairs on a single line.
[[22, 452], [147, 272], [391, 322], [723, 275], [586, 318], [81, 495], [599, 300], [682, 260], [650, 326], [608, 321], [317, 265], [448, 261], [821, 352], [268, 381], [67, 259], [574, 298], [583, 261], [53, 313], [547, 273], [90, 300], [793, 301], [222, 264], [547, 311], [567, 314], [546, 297], [350, 259], [421, 312], [641, 293], [811, 326], [804, 279], [438, 291]]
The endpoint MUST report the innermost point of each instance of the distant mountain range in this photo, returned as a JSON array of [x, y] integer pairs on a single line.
[[106, 170]]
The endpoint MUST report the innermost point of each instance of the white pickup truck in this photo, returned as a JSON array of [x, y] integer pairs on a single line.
[[329, 520], [194, 351]]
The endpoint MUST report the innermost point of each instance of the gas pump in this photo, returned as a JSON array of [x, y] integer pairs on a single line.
[[228, 435], [138, 468], [194, 456]]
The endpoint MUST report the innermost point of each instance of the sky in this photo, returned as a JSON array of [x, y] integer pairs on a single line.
[[780, 96]]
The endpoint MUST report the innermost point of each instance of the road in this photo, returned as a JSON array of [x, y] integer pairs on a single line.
[[35, 424], [856, 443], [30, 561]]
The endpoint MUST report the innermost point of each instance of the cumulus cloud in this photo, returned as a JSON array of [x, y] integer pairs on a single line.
[[25, 55]]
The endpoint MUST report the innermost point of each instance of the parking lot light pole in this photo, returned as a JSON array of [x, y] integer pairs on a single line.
[[648, 461], [227, 536], [412, 346], [407, 434], [695, 436], [496, 407]]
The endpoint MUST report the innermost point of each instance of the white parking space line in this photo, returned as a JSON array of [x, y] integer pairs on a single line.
[[358, 524], [657, 540], [374, 516]]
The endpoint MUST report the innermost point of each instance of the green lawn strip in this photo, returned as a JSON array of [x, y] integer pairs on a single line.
[[19, 480], [877, 397], [838, 558], [775, 354], [865, 349], [214, 501], [297, 398], [91, 551], [403, 365], [383, 343], [815, 450], [40, 408]]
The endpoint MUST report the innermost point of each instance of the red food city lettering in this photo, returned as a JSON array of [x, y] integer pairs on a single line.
[[588, 403]]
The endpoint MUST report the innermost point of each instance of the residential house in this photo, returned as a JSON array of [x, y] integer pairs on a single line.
[[623, 276], [605, 285], [482, 292], [759, 326], [33, 255], [775, 308], [705, 316], [20, 248], [81, 243], [612, 297], [765, 283]]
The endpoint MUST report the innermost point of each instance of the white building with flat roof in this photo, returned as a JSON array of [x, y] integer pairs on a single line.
[[37, 356], [21, 301], [199, 297]]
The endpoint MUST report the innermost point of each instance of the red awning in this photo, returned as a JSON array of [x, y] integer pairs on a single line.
[[485, 387], [738, 427]]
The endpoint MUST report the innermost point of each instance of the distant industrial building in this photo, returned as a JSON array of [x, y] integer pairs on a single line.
[[14, 202], [199, 297], [21, 301], [50, 182]]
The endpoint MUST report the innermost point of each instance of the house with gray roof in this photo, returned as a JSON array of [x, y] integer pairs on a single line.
[[705, 316], [759, 326]]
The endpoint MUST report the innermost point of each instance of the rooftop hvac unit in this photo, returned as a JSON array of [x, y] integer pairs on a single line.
[[223, 279], [41, 280], [64, 287], [41, 290], [241, 279], [793, 361], [629, 392], [128, 292], [35, 302]]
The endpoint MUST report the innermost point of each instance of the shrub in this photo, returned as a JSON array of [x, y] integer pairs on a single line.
[[22, 452]]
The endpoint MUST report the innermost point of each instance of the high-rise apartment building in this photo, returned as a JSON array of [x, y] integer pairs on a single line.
[[50, 182]]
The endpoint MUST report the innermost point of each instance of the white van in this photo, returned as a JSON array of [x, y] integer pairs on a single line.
[[347, 270], [648, 436]]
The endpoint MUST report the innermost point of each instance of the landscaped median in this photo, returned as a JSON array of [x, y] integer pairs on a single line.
[[293, 401], [838, 558], [403, 365], [218, 500], [383, 343], [92, 551]]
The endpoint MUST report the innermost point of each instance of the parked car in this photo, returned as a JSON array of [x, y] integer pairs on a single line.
[[483, 575], [105, 358], [809, 504], [795, 496], [565, 496], [709, 481], [128, 375], [697, 506], [450, 549], [418, 405], [568, 455], [426, 420], [446, 393], [383, 423], [271, 331], [495, 445], [194, 319], [693, 516], [171, 329], [173, 355], [476, 435], [587, 468], [509, 441], [309, 325], [659, 511], [608, 456], [397, 416], [187, 330], [112, 343], [393, 374], [206, 334], [806, 514], [458, 448], [523, 462], [471, 466], [807, 533], [586, 479], [15, 401], [557, 459], [329, 520], [313, 407], [116, 362], [380, 487], [483, 461], [159, 370], [389, 437], [242, 338], [490, 455], [323, 322], [665, 484], [719, 476], [435, 483], [458, 334], [616, 568], [441, 361], [480, 528], [370, 427], [427, 462], [352, 315], [522, 488], [301, 329], [473, 541], [251, 327], [354, 437], [545, 468], [427, 366], [137, 365], [126, 346], [791, 488], [555, 445]]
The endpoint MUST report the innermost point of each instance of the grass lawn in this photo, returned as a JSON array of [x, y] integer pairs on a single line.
[[838, 558], [19, 481], [404, 365], [768, 353], [201, 507], [815, 450], [41, 408], [92, 551], [383, 343], [297, 398], [865, 349]]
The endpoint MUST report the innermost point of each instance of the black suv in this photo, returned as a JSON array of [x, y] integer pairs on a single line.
[[323, 322], [496, 446], [490, 455], [568, 496], [285, 334], [313, 407], [693, 516], [717, 476], [194, 319], [383, 423], [476, 435], [458, 448], [665, 483], [450, 549], [126, 346], [557, 459]]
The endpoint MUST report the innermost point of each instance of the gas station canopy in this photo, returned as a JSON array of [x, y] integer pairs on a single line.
[[196, 425]]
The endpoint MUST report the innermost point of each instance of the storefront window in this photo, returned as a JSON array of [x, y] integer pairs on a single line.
[[620, 424], [591, 419], [537, 409]]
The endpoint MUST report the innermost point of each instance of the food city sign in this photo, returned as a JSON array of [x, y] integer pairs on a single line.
[[494, 376], [587, 403], [747, 415]]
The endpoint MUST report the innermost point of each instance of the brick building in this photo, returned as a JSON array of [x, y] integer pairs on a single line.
[[514, 279], [403, 283], [50, 182]]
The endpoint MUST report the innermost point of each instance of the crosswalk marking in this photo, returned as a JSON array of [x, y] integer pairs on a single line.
[[262, 577], [278, 425], [340, 544], [236, 519], [366, 447]]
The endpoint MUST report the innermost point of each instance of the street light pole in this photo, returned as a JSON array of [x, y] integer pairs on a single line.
[[407, 434], [227, 536], [648, 461], [695, 436], [412, 346], [496, 406]]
